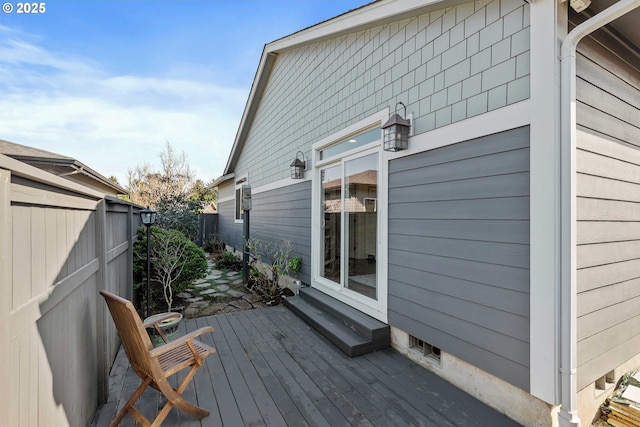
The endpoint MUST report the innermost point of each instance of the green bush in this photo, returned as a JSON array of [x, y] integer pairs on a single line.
[[229, 261], [215, 245], [175, 213]]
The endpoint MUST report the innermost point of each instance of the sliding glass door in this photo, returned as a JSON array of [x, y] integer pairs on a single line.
[[348, 197]]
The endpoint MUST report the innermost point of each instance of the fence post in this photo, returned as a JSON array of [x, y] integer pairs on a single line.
[[102, 345], [132, 232], [5, 291]]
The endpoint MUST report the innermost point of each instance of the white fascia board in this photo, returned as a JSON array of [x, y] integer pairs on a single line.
[[267, 60], [370, 15]]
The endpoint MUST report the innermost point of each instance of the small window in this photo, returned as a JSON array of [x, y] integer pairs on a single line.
[[239, 211]]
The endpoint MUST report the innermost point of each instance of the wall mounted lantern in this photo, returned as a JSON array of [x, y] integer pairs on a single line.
[[148, 217], [395, 132], [298, 166]]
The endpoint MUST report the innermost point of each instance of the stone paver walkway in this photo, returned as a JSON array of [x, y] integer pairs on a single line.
[[219, 292]]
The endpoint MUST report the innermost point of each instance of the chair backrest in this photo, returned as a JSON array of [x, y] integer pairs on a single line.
[[133, 334]]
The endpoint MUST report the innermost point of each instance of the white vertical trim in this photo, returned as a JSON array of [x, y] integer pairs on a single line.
[[544, 213], [383, 229]]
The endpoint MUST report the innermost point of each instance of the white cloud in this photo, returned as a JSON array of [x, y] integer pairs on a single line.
[[69, 105]]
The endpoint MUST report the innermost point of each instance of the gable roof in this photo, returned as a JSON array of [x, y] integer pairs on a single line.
[[379, 12], [59, 165], [370, 15]]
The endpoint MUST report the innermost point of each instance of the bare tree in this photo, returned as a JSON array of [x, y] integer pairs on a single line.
[[169, 258], [174, 181], [176, 174]]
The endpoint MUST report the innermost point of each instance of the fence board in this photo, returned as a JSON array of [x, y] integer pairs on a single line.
[[52, 263]]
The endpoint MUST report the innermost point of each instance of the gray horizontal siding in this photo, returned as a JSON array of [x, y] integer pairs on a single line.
[[229, 230], [285, 214], [276, 215], [608, 227], [459, 251]]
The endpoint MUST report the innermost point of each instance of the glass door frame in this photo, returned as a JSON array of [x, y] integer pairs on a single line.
[[376, 308]]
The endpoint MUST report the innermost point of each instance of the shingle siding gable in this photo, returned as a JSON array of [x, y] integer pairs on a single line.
[[445, 66]]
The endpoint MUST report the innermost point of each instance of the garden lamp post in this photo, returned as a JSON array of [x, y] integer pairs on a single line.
[[148, 217]]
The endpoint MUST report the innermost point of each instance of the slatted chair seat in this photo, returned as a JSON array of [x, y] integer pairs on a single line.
[[155, 365]]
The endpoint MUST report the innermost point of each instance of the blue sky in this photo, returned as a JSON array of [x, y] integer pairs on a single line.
[[109, 82]]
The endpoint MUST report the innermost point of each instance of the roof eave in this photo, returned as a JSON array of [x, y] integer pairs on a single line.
[[77, 166], [222, 179], [267, 61]]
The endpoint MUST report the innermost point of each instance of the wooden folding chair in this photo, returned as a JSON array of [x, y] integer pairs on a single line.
[[155, 365]]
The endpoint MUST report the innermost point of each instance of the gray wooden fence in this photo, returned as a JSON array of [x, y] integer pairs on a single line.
[[208, 228], [60, 244]]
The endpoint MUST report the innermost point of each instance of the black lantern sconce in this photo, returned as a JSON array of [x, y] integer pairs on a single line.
[[148, 217], [395, 132], [298, 166]]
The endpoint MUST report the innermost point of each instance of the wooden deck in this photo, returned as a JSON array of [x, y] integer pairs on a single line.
[[272, 369]]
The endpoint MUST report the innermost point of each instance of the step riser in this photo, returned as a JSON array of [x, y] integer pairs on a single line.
[[349, 350], [350, 330], [327, 304]]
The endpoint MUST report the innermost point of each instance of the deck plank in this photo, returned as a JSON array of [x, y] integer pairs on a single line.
[[205, 391], [326, 378], [230, 346], [261, 394], [263, 356], [272, 369], [299, 388], [319, 354], [229, 409]]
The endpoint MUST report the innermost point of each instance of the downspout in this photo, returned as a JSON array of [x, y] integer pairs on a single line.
[[568, 321]]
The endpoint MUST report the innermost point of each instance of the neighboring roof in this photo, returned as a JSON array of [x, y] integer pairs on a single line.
[[368, 177], [17, 151], [370, 15], [210, 209], [222, 179], [59, 165]]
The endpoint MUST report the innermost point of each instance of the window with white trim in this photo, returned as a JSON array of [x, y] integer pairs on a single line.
[[238, 198]]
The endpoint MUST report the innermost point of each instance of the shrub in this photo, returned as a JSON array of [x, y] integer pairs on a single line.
[[229, 261], [178, 214], [175, 261], [215, 245], [275, 258]]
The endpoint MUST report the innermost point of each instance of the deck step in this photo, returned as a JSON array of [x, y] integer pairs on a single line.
[[352, 331]]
